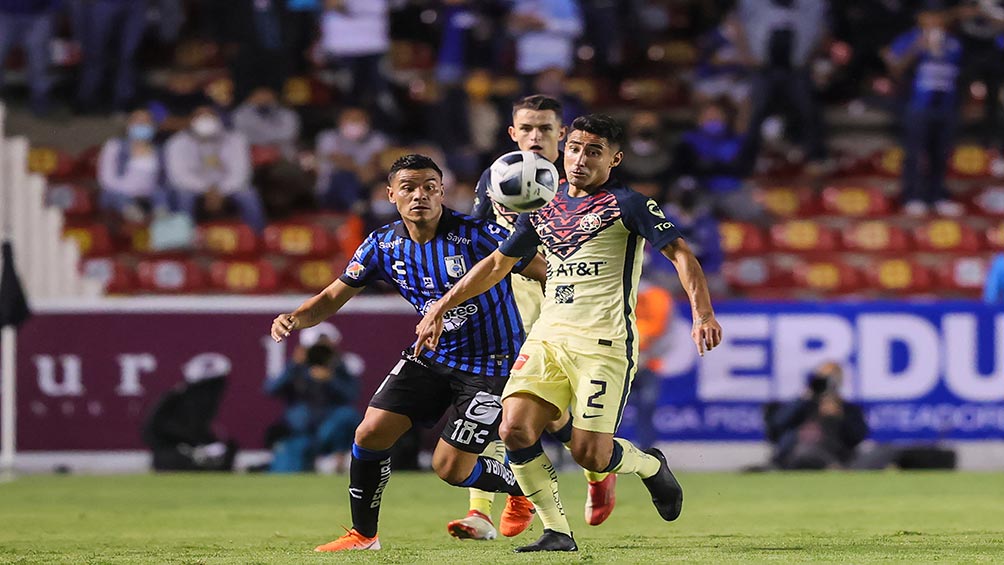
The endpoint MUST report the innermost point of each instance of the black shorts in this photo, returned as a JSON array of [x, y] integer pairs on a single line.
[[423, 391]]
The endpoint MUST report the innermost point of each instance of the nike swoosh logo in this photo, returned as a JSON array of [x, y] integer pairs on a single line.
[[587, 416]]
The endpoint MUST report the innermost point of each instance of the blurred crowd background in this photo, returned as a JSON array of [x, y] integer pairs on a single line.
[[806, 148]]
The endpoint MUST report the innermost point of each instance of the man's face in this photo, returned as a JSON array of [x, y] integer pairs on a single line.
[[538, 131], [588, 159], [418, 195]]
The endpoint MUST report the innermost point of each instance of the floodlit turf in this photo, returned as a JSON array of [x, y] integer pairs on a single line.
[[727, 518]]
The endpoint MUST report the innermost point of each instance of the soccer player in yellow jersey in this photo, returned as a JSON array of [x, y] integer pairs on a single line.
[[536, 126], [582, 352]]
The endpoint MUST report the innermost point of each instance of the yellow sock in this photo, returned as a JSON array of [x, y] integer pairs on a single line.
[[634, 460], [482, 500], [539, 480], [593, 476]]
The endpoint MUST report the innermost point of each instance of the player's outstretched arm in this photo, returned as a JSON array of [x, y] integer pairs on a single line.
[[315, 310], [707, 333], [486, 274]]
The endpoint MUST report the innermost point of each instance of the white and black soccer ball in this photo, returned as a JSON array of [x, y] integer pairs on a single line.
[[522, 181]]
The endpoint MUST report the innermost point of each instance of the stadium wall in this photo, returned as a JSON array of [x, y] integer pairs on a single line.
[[926, 372]]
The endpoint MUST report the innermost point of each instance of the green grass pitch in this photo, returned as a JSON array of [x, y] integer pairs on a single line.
[[727, 518]]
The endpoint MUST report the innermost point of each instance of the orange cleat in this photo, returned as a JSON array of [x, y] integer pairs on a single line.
[[600, 500], [351, 540], [517, 516], [473, 526]]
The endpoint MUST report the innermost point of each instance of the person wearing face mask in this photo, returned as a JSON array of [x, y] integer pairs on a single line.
[[209, 167], [131, 171], [647, 155], [347, 160], [266, 123], [710, 159], [927, 60]]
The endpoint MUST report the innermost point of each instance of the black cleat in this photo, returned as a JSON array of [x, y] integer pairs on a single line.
[[667, 494], [550, 540]]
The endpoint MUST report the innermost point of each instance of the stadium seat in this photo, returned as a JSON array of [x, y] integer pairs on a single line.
[[72, 199], [741, 238], [965, 274], [227, 238], [170, 276], [254, 277], [788, 201], [50, 163], [899, 275], [306, 91], [969, 161], [115, 276], [92, 238], [754, 273], [833, 276], [264, 155], [86, 164], [804, 235], [889, 163], [299, 239], [995, 236], [875, 236], [946, 234], [989, 201], [855, 201], [312, 275]]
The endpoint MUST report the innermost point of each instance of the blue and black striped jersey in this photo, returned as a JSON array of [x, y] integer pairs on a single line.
[[480, 336]]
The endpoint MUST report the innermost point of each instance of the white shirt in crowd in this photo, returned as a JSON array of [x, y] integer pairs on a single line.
[[195, 165], [138, 179], [361, 29]]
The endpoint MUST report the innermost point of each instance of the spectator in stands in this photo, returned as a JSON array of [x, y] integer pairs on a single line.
[[699, 226], [209, 167], [299, 31], [782, 36], [818, 430], [551, 82], [320, 387], [993, 292], [722, 67], [710, 159], [355, 36], [123, 21], [647, 157], [28, 23], [981, 23], [265, 123], [545, 32], [347, 160], [219, 93], [484, 117], [927, 60], [131, 171], [254, 34]]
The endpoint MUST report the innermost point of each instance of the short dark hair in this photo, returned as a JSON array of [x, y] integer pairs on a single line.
[[602, 125], [413, 162], [538, 102]]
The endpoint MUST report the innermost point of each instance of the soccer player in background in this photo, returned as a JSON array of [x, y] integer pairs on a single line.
[[583, 350], [536, 126], [423, 254]]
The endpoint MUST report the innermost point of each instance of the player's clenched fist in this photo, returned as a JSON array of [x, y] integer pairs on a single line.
[[282, 325], [707, 333]]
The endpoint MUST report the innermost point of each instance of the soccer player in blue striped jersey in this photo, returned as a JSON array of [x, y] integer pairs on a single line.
[[582, 352], [536, 126], [423, 255]]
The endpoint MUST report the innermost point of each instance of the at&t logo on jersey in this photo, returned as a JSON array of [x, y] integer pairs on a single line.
[[454, 317]]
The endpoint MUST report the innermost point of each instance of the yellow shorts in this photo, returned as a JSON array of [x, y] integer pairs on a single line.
[[593, 383]]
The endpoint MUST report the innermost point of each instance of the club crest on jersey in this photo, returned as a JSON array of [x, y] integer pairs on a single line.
[[653, 208], [590, 223], [354, 270], [455, 266]]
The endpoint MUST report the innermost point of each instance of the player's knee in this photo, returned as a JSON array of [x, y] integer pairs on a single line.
[[516, 434], [370, 436], [591, 456], [450, 470]]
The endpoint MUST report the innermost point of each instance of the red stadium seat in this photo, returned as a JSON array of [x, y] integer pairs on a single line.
[[170, 276], [946, 234], [92, 239], [855, 201], [889, 163], [306, 91], [828, 276], [50, 162], [739, 238], [754, 273], [969, 161], [300, 239], [227, 238], [253, 277], [900, 275], [86, 164], [875, 236], [995, 236], [263, 155], [116, 277], [72, 199], [788, 201], [804, 235], [965, 274], [990, 201], [312, 275]]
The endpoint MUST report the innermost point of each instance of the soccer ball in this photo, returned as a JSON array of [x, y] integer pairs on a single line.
[[522, 181]]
